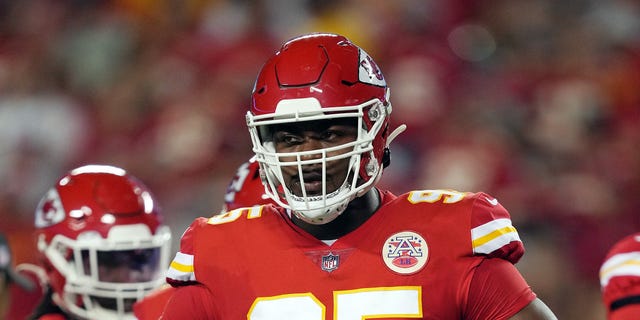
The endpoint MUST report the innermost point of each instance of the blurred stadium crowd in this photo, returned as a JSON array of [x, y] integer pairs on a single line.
[[534, 101]]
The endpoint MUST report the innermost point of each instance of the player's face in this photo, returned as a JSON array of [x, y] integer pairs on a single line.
[[315, 135], [126, 266]]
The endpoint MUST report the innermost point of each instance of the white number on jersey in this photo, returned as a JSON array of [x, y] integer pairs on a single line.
[[366, 303]]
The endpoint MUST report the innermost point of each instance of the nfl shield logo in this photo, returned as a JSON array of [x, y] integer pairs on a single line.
[[330, 262]]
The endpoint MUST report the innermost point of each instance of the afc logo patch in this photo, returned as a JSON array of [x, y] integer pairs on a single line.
[[405, 252]]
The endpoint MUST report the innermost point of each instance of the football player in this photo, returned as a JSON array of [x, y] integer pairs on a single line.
[[336, 246], [620, 279], [244, 190], [20, 286], [103, 244]]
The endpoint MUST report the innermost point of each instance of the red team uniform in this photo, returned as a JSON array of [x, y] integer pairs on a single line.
[[102, 243], [152, 305], [333, 246], [432, 254], [244, 189], [620, 279]]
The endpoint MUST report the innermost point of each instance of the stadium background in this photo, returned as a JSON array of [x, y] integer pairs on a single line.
[[534, 101]]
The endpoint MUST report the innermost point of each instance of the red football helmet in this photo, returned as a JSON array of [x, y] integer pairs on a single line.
[[620, 278], [316, 77], [246, 188], [102, 241]]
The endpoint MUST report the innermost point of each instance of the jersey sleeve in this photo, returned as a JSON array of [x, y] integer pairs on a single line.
[[181, 270], [620, 278], [152, 305], [24, 301], [497, 291], [190, 302], [492, 233]]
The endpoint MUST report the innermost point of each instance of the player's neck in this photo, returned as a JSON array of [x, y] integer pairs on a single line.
[[358, 212]]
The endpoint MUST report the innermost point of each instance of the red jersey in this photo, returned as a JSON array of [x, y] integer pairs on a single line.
[[431, 254], [23, 302], [150, 307], [620, 279]]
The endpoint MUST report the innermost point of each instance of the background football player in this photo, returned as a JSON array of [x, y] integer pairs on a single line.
[[103, 244], [243, 191], [20, 286], [620, 279], [246, 188]]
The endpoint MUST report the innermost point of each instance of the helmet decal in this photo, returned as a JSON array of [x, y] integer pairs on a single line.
[[368, 72], [49, 211]]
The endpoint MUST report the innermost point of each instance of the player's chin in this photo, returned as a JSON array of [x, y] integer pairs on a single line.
[[311, 189], [112, 304]]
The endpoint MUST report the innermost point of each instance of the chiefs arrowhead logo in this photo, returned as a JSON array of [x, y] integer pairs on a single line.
[[369, 72], [49, 210]]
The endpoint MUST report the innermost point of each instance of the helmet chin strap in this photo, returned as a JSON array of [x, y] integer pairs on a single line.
[[386, 156]]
